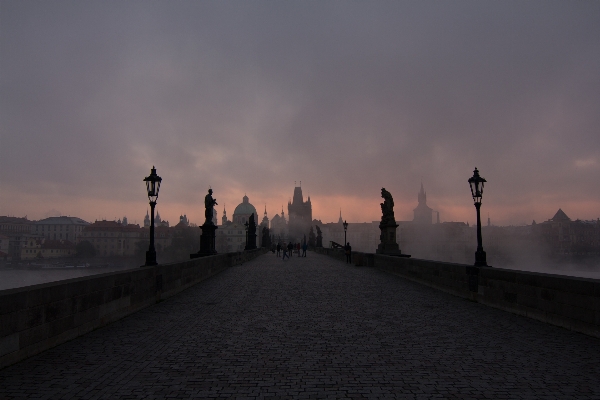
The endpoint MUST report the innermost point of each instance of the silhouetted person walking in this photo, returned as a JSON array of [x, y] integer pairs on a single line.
[[278, 249], [304, 247], [285, 254], [348, 249], [290, 248]]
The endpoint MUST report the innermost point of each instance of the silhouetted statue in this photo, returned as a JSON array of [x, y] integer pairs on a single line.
[[319, 237], [209, 204], [387, 208], [312, 240], [388, 226], [251, 233], [207, 238], [266, 238]]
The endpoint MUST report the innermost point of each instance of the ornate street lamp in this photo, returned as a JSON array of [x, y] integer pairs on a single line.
[[477, 182], [345, 229], [152, 187]]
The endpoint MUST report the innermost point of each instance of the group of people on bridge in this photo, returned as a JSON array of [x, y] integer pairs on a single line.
[[290, 248]]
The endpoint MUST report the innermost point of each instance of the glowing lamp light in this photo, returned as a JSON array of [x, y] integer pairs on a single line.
[[153, 185], [476, 182]]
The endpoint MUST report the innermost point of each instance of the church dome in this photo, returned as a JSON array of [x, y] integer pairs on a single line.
[[245, 208]]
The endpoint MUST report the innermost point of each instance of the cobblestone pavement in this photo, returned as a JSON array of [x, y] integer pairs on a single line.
[[314, 328]]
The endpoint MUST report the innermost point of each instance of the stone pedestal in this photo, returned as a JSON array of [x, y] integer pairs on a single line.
[[251, 241], [207, 241], [388, 244]]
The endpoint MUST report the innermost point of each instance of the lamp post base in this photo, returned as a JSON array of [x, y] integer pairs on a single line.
[[480, 259], [150, 258]]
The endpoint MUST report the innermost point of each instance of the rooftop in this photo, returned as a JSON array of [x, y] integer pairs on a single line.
[[62, 221]]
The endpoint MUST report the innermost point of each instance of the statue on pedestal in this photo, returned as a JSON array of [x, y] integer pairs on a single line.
[[207, 238], [387, 208], [209, 204], [266, 238], [387, 226], [251, 245], [319, 237], [312, 240]]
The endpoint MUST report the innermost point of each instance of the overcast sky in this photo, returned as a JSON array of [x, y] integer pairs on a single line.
[[347, 97]]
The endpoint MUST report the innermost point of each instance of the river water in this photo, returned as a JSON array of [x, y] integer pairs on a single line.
[[13, 277], [19, 277]]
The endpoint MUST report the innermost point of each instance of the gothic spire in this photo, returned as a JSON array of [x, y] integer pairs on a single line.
[[422, 195]]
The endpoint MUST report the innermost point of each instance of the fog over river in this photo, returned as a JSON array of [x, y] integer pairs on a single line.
[[577, 270], [13, 278], [20, 277]]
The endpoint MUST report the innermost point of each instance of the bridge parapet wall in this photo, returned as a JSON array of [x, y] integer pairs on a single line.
[[569, 302], [38, 317]]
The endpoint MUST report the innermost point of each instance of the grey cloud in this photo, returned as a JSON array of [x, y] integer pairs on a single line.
[[350, 96]]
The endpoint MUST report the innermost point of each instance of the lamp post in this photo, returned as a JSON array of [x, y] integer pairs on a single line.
[[246, 225], [152, 187], [477, 182], [345, 229]]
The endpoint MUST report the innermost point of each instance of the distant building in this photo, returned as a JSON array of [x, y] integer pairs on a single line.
[[362, 236], [111, 238], [47, 248], [183, 220], [60, 228], [224, 219], [442, 241], [279, 227], [230, 238], [157, 220], [300, 215], [15, 225], [4, 246], [562, 236], [231, 235], [422, 214], [242, 212], [265, 221], [18, 230]]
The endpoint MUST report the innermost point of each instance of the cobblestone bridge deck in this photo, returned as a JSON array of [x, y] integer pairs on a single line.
[[314, 328]]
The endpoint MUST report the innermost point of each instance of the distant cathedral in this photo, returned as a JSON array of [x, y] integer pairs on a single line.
[[243, 211], [265, 221], [157, 220], [279, 227], [300, 215], [231, 235], [423, 214]]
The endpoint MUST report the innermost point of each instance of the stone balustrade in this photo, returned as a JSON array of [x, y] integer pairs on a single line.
[[569, 302], [38, 317]]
